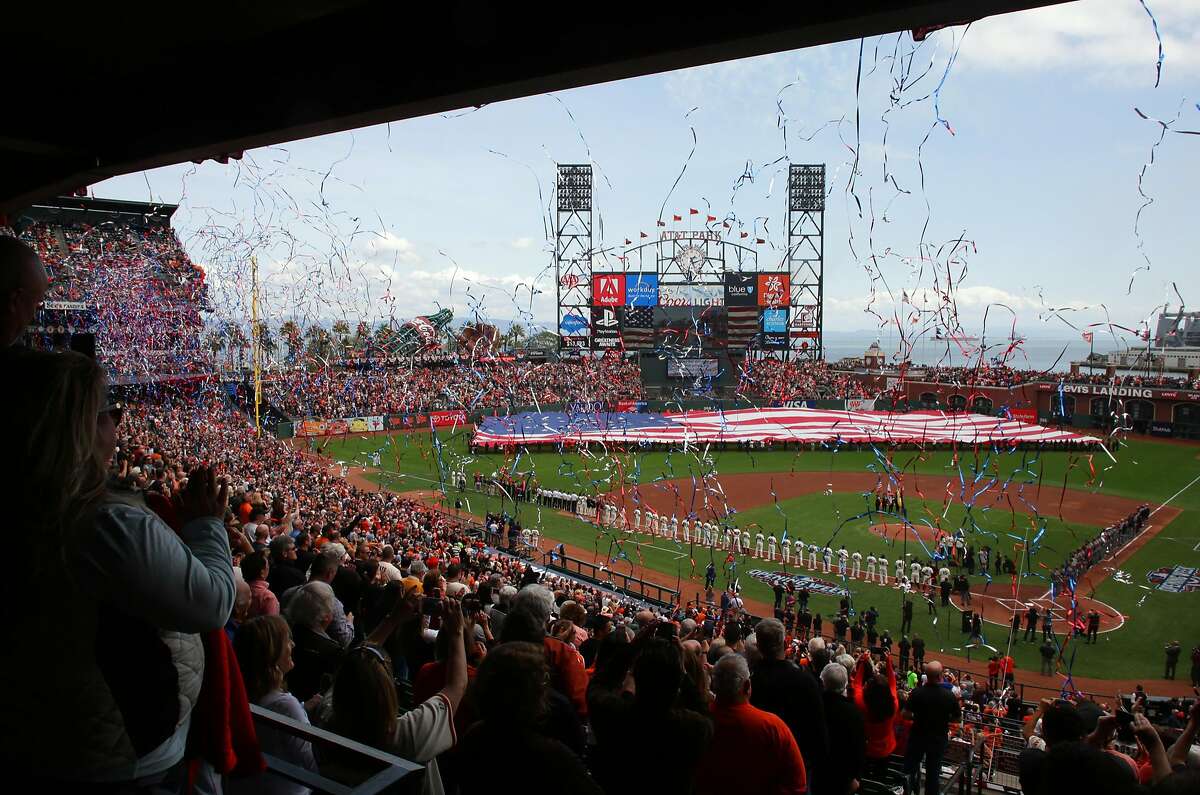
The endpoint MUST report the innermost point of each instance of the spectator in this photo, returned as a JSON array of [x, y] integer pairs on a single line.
[[931, 708], [283, 573], [128, 594], [753, 751], [510, 695], [264, 653], [254, 571], [841, 771], [310, 611], [782, 688], [652, 716], [875, 697], [365, 705], [23, 285]]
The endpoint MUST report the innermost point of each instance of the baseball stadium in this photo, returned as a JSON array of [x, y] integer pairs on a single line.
[[308, 500]]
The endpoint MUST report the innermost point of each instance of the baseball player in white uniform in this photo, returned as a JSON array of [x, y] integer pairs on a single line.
[[856, 564], [871, 567], [759, 540], [842, 556], [771, 545]]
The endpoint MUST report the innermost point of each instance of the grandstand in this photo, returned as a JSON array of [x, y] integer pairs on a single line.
[[118, 271]]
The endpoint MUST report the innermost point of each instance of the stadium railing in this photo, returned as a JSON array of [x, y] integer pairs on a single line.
[[623, 584], [390, 773]]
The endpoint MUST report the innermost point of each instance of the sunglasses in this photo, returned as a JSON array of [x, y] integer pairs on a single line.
[[114, 410]]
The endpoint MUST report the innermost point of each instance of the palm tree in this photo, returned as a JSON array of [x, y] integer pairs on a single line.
[[516, 332], [362, 335], [320, 343], [236, 341], [341, 331], [292, 337], [266, 339]]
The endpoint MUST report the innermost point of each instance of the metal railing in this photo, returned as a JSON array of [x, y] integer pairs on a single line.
[[624, 584], [393, 774]]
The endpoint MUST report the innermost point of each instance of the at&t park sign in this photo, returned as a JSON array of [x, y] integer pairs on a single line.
[[707, 235]]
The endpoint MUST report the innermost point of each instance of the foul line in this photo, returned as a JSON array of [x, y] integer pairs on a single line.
[[1176, 494]]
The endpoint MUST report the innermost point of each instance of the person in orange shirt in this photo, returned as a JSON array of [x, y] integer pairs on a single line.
[[993, 670], [1007, 664], [875, 696], [751, 750]]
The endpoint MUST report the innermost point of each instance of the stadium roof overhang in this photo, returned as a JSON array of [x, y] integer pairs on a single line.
[[109, 89]]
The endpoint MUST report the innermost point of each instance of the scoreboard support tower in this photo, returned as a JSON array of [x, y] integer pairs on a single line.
[[573, 255], [806, 261]]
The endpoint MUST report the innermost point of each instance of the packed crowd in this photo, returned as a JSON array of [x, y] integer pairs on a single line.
[[147, 293], [167, 540], [777, 380], [334, 393]]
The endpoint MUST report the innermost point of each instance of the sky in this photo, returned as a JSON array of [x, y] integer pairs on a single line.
[[1019, 136]]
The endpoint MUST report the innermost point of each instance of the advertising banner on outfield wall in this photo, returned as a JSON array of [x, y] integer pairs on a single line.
[[860, 404], [1024, 415], [440, 419], [311, 428]]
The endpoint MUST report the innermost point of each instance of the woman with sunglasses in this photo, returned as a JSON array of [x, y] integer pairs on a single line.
[[118, 596]]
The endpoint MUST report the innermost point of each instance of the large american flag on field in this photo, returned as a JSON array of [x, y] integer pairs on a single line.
[[767, 424]]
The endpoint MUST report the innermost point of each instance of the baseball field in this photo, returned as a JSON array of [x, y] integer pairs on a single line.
[[1034, 507]]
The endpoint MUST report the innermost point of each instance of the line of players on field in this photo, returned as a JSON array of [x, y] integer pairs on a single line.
[[908, 573]]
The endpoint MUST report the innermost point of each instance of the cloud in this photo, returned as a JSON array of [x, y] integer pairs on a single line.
[[522, 243], [1106, 38], [390, 248]]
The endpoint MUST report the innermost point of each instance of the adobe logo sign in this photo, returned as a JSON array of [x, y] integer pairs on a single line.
[[608, 289]]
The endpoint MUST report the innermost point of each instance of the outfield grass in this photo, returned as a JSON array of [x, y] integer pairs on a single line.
[[1144, 470]]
